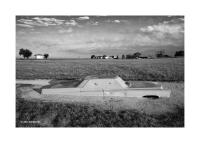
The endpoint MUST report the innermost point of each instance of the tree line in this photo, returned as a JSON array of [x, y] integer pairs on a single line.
[[138, 55], [26, 53]]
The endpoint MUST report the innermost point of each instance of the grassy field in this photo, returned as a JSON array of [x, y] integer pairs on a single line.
[[41, 114], [46, 114], [100, 112], [171, 69]]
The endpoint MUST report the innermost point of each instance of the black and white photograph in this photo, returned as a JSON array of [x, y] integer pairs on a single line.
[[99, 71]]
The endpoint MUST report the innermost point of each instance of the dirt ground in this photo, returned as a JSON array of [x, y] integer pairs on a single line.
[[31, 91]]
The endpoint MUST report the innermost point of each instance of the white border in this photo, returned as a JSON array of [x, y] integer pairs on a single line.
[[103, 7]]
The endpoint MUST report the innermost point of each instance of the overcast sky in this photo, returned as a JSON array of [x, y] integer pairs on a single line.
[[81, 36]]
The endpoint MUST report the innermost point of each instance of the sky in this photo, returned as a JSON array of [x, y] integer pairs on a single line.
[[83, 36]]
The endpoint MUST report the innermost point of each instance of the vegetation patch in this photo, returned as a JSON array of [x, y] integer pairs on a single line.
[[166, 69], [43, 114]]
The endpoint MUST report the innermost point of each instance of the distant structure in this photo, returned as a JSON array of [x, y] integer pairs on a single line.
[[179, 54], [143, 57], [39, 56], [104, 57]]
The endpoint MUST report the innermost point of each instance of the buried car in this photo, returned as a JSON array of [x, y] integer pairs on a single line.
[[92, 86]]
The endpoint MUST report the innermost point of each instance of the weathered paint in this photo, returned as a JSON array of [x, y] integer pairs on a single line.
[[107, 87]]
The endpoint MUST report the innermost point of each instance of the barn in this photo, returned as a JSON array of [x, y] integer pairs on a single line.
[[39, 56]]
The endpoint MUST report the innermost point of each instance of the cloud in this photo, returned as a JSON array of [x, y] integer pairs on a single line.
[[182, 19], [95, 23], [71, 23], [41, 21], [116, 21], [166, 27], [165, 33], [25, 25], [21, 32], [124, 35], [25, 20], [48, 21], [65, 30], [83, 18], [44, 19]]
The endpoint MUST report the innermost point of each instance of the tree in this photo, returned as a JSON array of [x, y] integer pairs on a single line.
[[104, 56], [123, 57], [133, 56], [136, 55], [160, 54], [93, 57], [21, 52], [46, 56], [129, 56], [179, 54], [25, 53]]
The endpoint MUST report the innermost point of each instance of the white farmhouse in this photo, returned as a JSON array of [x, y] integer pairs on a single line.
[[39, 56]]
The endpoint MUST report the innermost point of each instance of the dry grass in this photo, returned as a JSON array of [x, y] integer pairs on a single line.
[[76, 115], [171, 69], [83, 115]]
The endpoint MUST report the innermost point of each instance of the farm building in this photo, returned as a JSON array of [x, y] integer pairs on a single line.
[[39, 56], [104, 57]]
